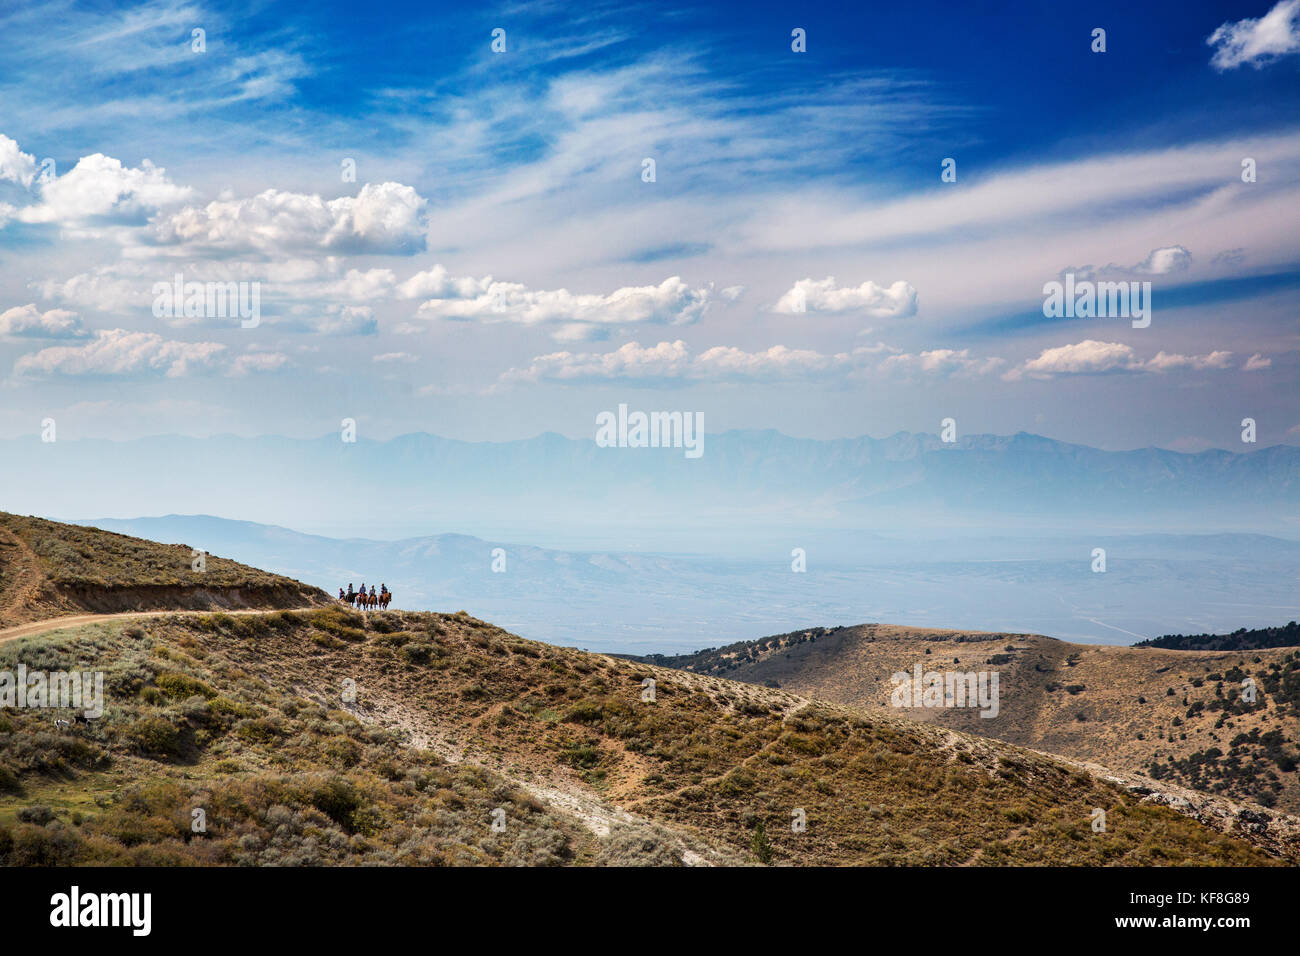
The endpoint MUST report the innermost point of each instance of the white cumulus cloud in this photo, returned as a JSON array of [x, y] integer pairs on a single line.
[[1257, 41], [1163, 261], [27, 321], [823, 295], [15, 165], [1257, 362], [388, 218], [941, 362], [671, 302], [119, 352], [1092, 357], [257, 362], [99, 187]]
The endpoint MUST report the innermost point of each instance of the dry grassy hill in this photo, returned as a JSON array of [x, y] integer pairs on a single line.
[[1177, 716], [320, 735], [49, 569], [246, 718]]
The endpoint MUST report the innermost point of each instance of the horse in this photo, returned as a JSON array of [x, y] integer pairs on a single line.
[[363, 600]]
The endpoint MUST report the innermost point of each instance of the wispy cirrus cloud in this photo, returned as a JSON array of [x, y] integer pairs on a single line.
[[501, 201], [100, 66]]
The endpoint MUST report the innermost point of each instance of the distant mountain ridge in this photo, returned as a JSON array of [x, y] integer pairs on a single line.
[[639, 601], [421, 481]]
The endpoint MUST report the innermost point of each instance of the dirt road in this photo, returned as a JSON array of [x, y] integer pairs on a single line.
[[58, 623]]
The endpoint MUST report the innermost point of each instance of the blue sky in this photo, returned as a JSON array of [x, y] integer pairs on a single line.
[[499, 267]]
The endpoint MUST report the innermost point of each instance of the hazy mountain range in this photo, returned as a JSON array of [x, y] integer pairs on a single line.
[[749, 486], [645, 602], [644, 550]]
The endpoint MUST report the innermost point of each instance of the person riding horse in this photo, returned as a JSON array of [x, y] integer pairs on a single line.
[[363, 599]]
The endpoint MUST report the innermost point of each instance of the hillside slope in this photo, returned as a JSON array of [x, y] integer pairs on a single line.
[[50, 569], [250, 719], [1178, 716]]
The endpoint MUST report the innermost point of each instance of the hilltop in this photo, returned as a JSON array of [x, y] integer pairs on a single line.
[[1177, 716], [50, 569], [1242, 639]]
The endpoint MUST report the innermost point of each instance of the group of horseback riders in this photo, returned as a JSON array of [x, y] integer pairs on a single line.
[[363, 600]]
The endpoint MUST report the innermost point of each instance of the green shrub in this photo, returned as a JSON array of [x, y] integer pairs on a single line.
[[418, 653], [156, 736], [338, 799], [38, 815], [181, 686]]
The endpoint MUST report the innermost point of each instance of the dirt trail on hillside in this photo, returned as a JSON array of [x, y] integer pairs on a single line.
[[29, 577], [58, 623]]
